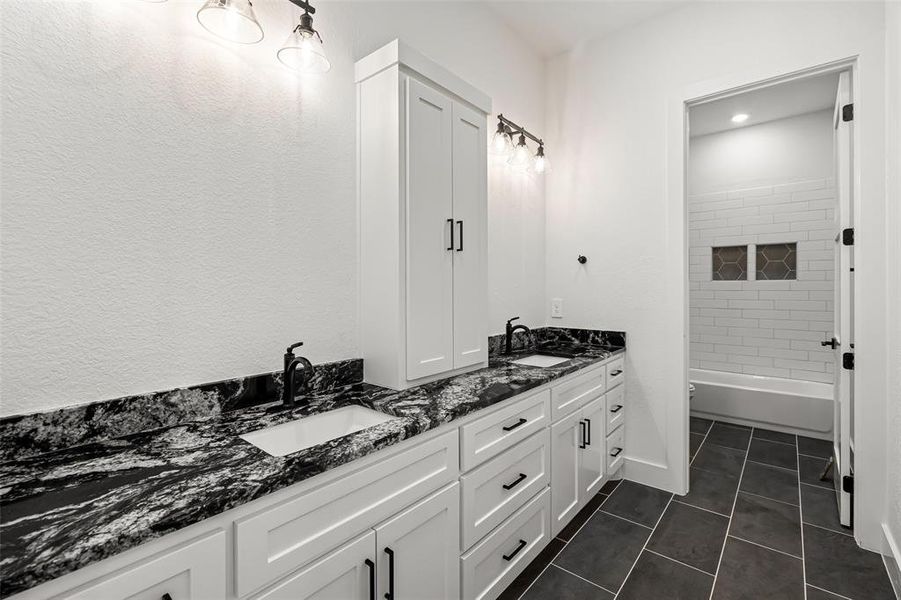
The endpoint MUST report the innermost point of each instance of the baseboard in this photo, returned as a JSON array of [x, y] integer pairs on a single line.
[[892, 560], [760, 424], [649, 473]]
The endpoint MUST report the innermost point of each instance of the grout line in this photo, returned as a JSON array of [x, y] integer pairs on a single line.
[[704, 441], [731, 513], [816, 457], [537, 577], [583, 579], [768, 498], [801, 514], [650, 535], [757, 462], [819, 487], [847, 534], [625, 519], [679, 562], [828, 591], [795, 444], [758, 544], [699, 508]]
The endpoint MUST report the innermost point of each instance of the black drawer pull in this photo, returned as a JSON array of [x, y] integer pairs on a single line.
[[371, 566], [616, 408], [389, 595], [522, 544], [582, 442], [510, 486], [588, 432], [451, 222], [616, 452], [615, 373], [460, 248], [515, 425]]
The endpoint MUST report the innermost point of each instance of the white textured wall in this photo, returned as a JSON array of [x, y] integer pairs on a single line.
[[176, 209], [608, 197]]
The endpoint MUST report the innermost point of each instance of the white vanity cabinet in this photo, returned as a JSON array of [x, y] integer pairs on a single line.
[[422, 193]]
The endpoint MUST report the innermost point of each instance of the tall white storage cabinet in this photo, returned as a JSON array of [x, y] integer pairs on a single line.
[[422, 187]]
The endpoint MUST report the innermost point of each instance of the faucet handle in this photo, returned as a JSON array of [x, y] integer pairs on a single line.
[[511, 320], [291, 348]]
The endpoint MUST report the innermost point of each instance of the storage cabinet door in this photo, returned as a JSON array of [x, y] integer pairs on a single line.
[[343, 574], [593, 457], [429, 252], [419, 550], [470, 164], [565, 442]]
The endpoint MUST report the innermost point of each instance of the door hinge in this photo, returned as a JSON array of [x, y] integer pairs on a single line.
[[848, 236], [848, 484], [848, 112], [848, 361]]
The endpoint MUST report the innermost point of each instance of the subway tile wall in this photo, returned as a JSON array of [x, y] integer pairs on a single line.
[[771, 328]]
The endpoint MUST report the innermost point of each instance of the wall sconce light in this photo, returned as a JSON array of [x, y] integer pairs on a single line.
[[302, 51], [519, 156]]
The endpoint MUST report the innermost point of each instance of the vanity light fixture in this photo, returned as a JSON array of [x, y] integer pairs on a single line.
[[233, 20], [518, 156], [540, 163], [501, 143], [739, 118], [302, 51]]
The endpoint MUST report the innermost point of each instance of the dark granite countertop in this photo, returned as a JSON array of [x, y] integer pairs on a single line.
[[63, 510]]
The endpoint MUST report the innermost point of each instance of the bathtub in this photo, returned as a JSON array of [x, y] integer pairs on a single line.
[[789, 405]]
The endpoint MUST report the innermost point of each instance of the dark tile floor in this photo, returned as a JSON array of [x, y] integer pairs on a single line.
[[757, 523]]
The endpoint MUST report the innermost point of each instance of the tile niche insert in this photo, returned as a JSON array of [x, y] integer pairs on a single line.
[[730, 263], [777, 261]]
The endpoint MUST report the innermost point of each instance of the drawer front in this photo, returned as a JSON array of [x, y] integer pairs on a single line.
[[616, 372], [615, 450], [577, 392], [498, 488], [193, 571], [279, 539], [492, 434], [490, 567], [616, 408]]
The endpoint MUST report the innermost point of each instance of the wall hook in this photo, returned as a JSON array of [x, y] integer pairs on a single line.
[[582, 259]]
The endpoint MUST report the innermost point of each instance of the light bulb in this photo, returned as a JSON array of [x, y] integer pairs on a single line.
[[303, 51], [233, 20], [540, 164], [501, 143], [520, 158]]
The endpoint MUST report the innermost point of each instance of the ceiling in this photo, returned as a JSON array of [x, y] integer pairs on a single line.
[[767, 104], [556, 26]]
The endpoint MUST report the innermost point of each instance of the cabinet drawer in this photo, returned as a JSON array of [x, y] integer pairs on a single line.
[[616, 372], [577, 392], [495, 490], [490, 567], [615, 450], [279, 539], [492, 434], [615, 408], [193, 571]]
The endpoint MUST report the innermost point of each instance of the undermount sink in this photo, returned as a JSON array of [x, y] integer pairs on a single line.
[[540, 360], [307, 432]]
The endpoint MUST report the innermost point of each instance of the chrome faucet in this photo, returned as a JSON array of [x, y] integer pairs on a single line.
[[511, 329], [292, 385]]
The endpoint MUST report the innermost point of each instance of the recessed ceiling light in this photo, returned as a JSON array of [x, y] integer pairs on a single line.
[[739, 118]]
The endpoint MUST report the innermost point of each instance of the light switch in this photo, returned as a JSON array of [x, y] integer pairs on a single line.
[[557, 308]]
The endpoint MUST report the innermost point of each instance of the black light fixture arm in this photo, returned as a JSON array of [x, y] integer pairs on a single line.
[[514, 129], [304, 5]]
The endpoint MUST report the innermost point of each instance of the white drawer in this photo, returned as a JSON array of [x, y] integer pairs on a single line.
[[193, 571], [615, 450], [616, 372], [492, 434], [495, 490], [577, 392], [496, 561], [615, 408], [279, 539]]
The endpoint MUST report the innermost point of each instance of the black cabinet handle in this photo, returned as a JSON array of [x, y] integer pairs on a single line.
[[616, 452], [371, 566], [515, 425], [389, 595], [588, 431], [615, 373], [451, 223], [510, 486], [460, 248], [582, 443], [522, 544], [616, 408]]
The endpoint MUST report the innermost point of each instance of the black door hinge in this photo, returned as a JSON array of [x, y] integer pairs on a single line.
[[848, 112], [848, 236], [848, 361], [848, 484]]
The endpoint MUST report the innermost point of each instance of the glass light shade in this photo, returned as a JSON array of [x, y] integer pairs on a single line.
[[521, 158], [501, 144], [540, 165], [303, 52], [233, 20]]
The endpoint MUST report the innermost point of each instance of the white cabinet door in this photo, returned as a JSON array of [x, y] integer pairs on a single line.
[[470, 232], [419, 550], [593, 457], [566, 436], [347, 573], [430, 226]]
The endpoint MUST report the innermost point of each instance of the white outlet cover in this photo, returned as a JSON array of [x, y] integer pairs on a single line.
[[557, 308]]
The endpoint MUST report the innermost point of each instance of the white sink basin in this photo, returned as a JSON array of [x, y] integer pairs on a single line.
[[310, 431], [540, 360]]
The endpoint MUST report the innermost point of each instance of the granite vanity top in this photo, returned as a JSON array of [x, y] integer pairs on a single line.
[[65, 509]]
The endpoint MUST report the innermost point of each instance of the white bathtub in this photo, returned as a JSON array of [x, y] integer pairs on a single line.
[[804, 407]]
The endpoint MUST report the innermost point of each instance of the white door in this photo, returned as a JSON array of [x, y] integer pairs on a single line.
[[844, 290], [419, 550], [429, 251], [470, 166], [566, 439], [347, 573], [593, 457]]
